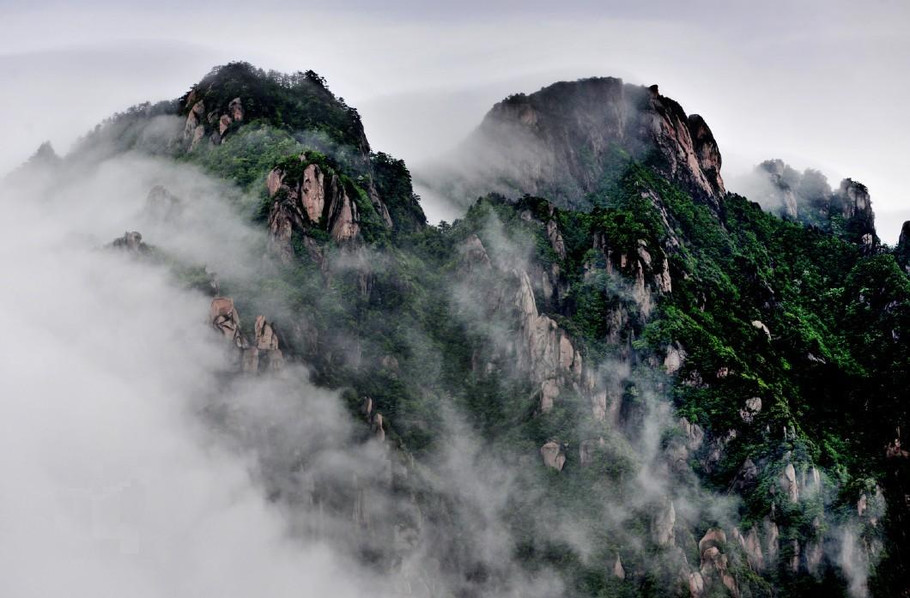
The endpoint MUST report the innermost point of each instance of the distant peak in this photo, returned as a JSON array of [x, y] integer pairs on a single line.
[[808, 198]]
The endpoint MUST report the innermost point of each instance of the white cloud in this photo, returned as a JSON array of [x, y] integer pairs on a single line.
[[816, 82]]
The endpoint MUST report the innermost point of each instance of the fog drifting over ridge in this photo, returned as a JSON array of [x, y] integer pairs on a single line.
[[119, 485], [142, 462], [136, 365], [816, 84]]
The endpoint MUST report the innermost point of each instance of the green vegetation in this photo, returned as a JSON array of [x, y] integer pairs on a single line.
[[804, 319], [294, 103]]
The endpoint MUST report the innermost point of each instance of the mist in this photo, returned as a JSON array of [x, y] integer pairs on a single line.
[[139, 459], [115, 482], [781, 81], [143, 462]]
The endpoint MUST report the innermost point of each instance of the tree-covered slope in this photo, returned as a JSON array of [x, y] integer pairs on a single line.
[[624, 382]]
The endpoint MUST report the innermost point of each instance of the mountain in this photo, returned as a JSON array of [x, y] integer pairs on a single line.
[[571, 142], [806, 197], [612, 377]]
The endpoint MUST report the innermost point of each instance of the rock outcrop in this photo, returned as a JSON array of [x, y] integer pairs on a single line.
[[752, 408], [714, 563], [663, 523], [856, 208], [751, 545], [675, 358], [646, 269], [772, 540], [808, 198], [235, 110], [759, 325], [545, 350], [559, 142], [194, 122], [309, 198], [687, 147], [553, 455], [374, 418], [619, 572], [267, 346], [902, 251], [225, 319], [789, 484], [131, 242], [263, 354], [217, 124]]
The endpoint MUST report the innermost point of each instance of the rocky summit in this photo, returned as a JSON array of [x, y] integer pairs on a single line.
[[569, 141], [611, 377]]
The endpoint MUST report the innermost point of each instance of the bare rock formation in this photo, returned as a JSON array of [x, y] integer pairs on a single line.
[[309, 198], [619, 571], [714, 562], [262, 355], [553, 455], [789, 484], [193, 122], [235, 110], [131, 242], [676, 357], [807, 197], [225, 319], [663, 524], [270, 356], [752, 408], [646, 269], [559, 141]]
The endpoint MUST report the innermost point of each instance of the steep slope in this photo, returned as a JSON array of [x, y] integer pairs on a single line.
[[238, 92], [806, 197], [570, 141], [637, 385], [577, 312], [238, 122]]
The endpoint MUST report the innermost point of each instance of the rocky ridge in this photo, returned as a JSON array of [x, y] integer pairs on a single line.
[[561, 141], [527, 310], [806, 197]]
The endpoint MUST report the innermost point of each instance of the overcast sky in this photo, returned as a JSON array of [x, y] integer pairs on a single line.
[[819, 83]]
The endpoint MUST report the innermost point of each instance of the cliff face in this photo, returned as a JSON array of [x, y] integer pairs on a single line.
[[309, 198], [237, 113], [902, 251], [672, 388], [238, 92], [570, 141], [806, 197], [262, 354]]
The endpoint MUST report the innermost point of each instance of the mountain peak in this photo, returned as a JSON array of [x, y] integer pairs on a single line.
[[808, 198], [571, 140], [294, 102]]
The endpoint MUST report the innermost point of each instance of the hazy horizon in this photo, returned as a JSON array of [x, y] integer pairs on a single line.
[[817, 85]]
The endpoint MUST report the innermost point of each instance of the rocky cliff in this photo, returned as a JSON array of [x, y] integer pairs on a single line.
[[638, 383], [902, 251], [806, 197], [238, 92], [570, 141], [309, 198]]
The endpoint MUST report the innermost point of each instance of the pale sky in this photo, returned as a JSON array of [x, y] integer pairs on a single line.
[[818, 83]]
